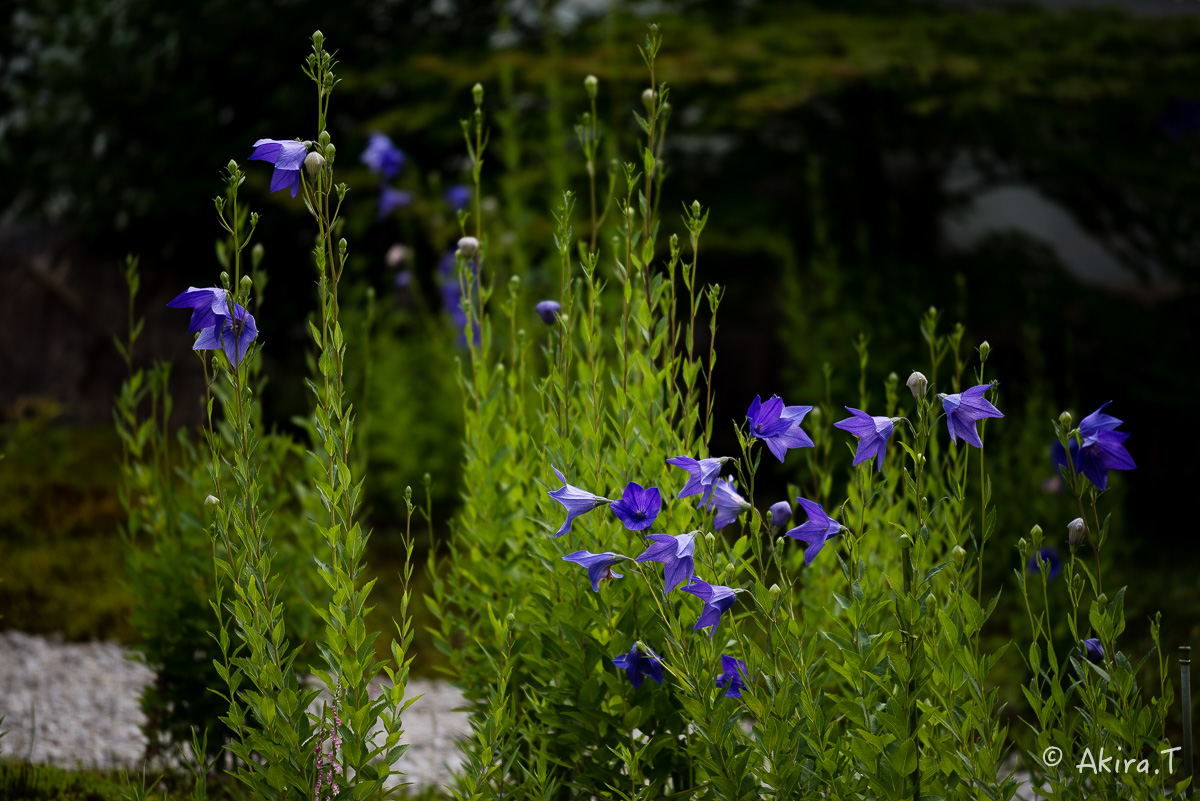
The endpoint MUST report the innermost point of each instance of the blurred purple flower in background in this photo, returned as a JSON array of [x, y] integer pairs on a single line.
[[677, 555], [403, 278], [458, 196], [575, 500], [288, 158], [638, 665], [963, 409], [548, 310], [1053, 562], [638, 507], [702, 473], [717, 600], [735, 674], [599, 565], [1102, 450], [778, 425], [382, 157], [726, 501], [872, 433], [819, 529], [1180, 118], [391, 199]]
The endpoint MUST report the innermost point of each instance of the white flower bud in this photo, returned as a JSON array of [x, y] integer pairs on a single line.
[[918, 384], [959, 555], [211, 503], [1076, 532], [468, 246], [591, 85], [313, 163]]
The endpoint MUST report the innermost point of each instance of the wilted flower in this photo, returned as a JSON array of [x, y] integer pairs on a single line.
[[963, 409], [1076, 532], [1052, 560], [548, 310], [819, 529], [1102, 449], [1093, 650], [872, 433], [288, 158], [391, 199], [702, 475], [637, 507], [778, 425], [735, 674], [382, 157], [458, 196], [781, 513], [575, 500], [918, 384], [638, 665], [218, 328], [717, 600], [599, 565], [677, 555], [726, 501]]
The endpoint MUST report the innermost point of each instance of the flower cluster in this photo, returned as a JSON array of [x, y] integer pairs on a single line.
[[327, 764]]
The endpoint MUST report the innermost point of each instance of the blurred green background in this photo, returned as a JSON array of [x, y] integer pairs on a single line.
[[1031, 169]]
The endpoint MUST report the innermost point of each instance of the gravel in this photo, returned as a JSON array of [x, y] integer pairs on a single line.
[[76, 705]]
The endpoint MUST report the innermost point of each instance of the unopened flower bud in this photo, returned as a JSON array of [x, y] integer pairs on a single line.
[[1102, 600], [959, 555], [408, 494], [468, 246], [918, 384], [648, 99], [592, 85], [815, 414], [984, 350], [1035, 534], [892, 379], [779, 542], [729, 571], [710, 539], [323, 139], [342, 247], [330, 152], [1076, 532], [548, 310], [225, 280], [781, 513], [245, 285], [477, 93], [231, 166], [256, 254], [1065, 420], [664, 113], [211, 504], [1022, 548], [905, 541], [313, 163], [511, 618], [318, 38], [695, 208], [775, 592]]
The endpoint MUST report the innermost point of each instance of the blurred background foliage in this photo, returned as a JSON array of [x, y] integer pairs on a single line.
[[1030, 169]]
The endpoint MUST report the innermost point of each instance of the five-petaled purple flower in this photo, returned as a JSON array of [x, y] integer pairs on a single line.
[[288, 158], [599, 565], [702, 475], [638, 665], [726, 501], [458, 196], [819, 529], [217, 327], [734, 673], [872, 432], [778, 425], [576, 501], [780, 513], [717, 600], [1093, 650], [548, 310], [1102, 450], [382, 156], [964, 409], [677, 555], [637, 507], [1053, 562], [391, 199]]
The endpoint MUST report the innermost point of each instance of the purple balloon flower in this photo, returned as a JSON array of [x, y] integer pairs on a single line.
[[638, 507], [1050, 557], [780, 513], [575, 500], [872, 432], [218, 329], [382, 157], [677, 555], [778, 425], [458, 196], [548, 310], [1102, 450], [964, 409], [599, 565], [819, 529], [733, 673], [1094, 651], [702, 475], [391, 199], [638, 665], [726, 501], [288, 158], [717, 600]]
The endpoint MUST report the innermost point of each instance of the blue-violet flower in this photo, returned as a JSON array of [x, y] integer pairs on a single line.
[[780, 513], [735, 674], [717, 600], [963, 409], [288, 158], [872, 432], [382, 157], [728, 503], [778, 425], [638, 665], [1093, 650], [818, 530], [218, 329], [637, 507], [548, 310], [677, 553], [1102, 450], [702, 475], [599, 565], [1050, 557], [575, 500]]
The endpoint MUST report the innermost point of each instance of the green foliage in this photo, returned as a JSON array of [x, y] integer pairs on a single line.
[[24, 781]]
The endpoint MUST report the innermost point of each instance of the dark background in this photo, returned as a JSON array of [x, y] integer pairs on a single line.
[[1031, 169]]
